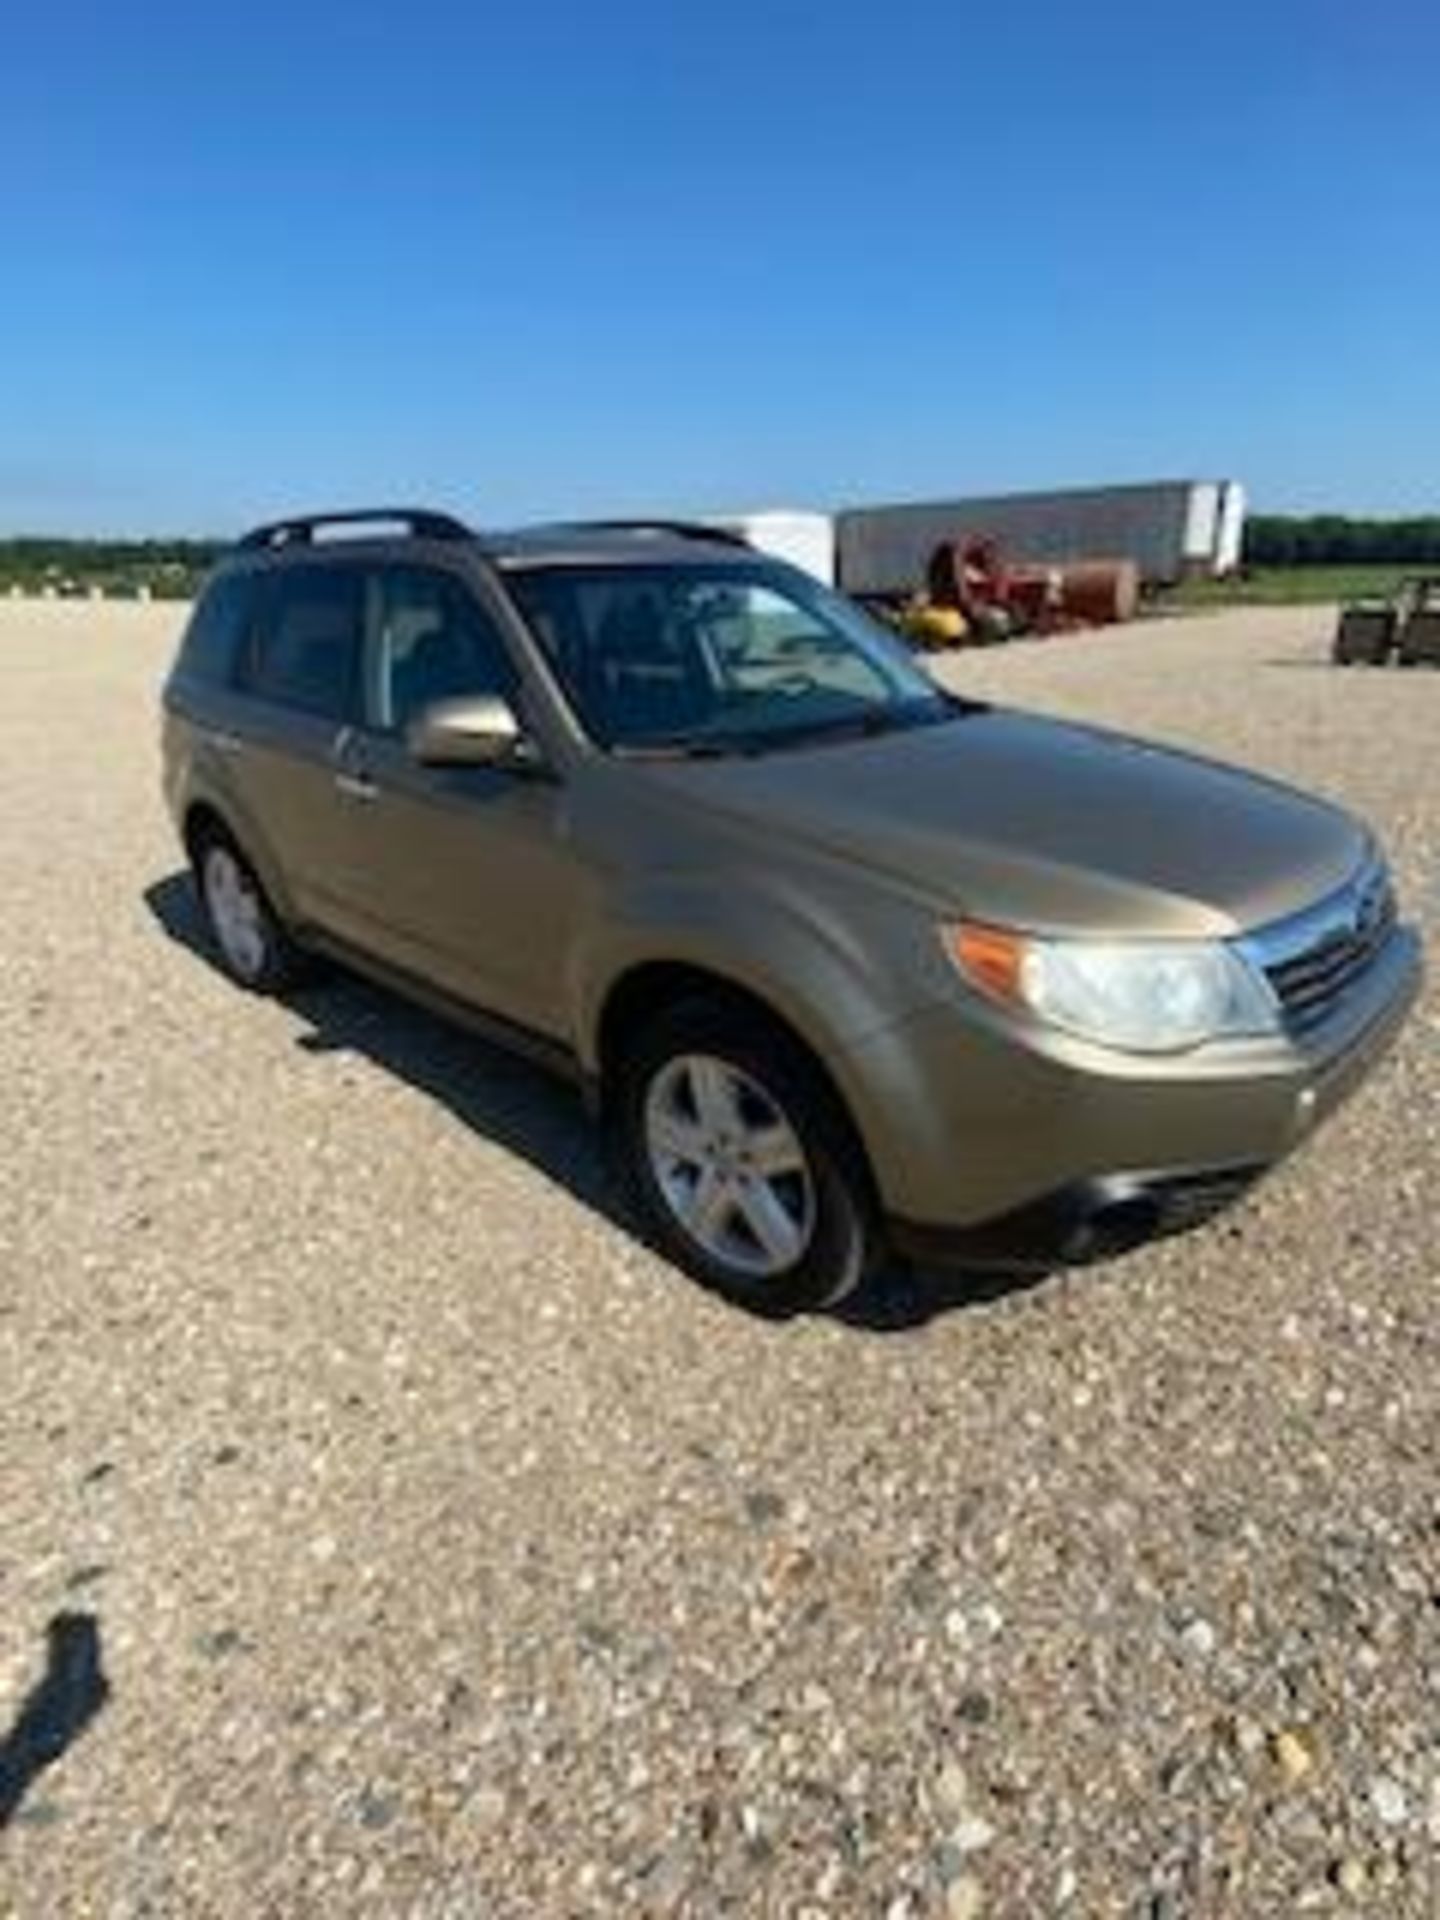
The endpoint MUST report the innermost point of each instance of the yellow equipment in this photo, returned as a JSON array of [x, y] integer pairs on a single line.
[[930, 626]]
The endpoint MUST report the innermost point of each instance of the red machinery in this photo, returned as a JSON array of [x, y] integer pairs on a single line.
[[997, 599]]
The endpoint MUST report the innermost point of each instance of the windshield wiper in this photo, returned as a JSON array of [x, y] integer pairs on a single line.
[[678, 749], [853, 726], [867, 725]]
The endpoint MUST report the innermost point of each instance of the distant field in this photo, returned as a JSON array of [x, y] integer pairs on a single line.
[[1288, 586]]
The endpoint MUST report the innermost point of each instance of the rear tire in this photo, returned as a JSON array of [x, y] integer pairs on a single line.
[[740, 1161], [247, 934]]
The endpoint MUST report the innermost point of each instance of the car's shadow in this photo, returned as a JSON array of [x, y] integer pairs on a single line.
[[526, 1111]]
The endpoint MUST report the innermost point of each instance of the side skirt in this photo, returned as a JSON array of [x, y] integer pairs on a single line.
[[540, 1049]]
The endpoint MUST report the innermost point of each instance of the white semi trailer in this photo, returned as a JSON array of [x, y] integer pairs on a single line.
[[806, 540], [1170, 528]]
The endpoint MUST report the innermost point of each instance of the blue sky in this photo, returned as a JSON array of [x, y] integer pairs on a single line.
[[540, 259]]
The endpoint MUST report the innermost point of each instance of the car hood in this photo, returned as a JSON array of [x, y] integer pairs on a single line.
[[1036, 823]]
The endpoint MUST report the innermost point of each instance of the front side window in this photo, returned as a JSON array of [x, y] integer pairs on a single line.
[[714, 657], [309, 652], [432, 641]]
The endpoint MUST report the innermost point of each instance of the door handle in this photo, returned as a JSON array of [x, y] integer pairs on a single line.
[[228, 743], [356, 786]]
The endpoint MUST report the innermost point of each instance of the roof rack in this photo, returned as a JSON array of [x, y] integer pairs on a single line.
[[681, 529], [419, 522]]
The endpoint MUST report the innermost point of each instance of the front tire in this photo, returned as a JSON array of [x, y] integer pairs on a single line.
[[248, 937], [740, 1160]]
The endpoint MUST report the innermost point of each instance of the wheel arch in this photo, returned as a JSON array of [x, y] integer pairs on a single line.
[[649, 987], [204, 821], [204, 817]]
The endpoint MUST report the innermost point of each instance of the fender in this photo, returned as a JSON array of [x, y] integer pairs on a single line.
[[772, 941]]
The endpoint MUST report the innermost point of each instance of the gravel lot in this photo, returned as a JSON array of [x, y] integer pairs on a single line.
[[410, 1541]]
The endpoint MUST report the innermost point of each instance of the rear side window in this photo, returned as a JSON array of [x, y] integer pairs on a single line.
[[309, 651], [218, 629]]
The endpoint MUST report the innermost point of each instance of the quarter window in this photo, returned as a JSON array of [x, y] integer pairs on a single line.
[[311, 646], [218, 627]]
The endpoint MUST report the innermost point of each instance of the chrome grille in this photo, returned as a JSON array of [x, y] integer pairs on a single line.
[[1313, 959]]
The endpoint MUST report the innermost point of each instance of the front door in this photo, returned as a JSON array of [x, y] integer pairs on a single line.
[[468, 875]]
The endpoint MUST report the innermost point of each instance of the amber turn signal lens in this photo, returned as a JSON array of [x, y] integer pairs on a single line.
[[989, 957]]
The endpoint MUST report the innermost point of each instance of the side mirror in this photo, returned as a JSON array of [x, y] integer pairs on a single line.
[[481, 730]]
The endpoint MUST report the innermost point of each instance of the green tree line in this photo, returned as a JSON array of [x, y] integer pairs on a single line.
[[1337, 539], [165, 567]]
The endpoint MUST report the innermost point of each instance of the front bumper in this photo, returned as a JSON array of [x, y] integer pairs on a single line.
[[1093, 1219], [1037, 1147]]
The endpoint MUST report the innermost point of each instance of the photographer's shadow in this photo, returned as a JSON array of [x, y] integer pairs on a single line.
[[68, 1695]]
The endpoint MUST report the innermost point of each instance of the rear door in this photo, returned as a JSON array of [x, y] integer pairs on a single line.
[[300, 695], [467, 874]]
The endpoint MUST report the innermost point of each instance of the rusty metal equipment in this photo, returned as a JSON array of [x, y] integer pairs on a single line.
[[1406, 627], [1366, 636], [1419, 639], [970, 577], [996, 598], [1100, 593]]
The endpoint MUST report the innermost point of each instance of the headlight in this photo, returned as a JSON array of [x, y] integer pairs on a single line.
[[1145, 996]]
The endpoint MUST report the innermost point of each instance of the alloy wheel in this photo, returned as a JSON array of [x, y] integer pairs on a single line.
[[730, 1165], [236, 912]]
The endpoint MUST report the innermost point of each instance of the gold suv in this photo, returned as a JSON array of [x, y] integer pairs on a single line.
[[846, 963]]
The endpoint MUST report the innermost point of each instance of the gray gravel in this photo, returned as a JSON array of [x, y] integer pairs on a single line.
[[449, 1555]]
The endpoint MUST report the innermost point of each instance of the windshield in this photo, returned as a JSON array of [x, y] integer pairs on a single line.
[[715, 658]]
